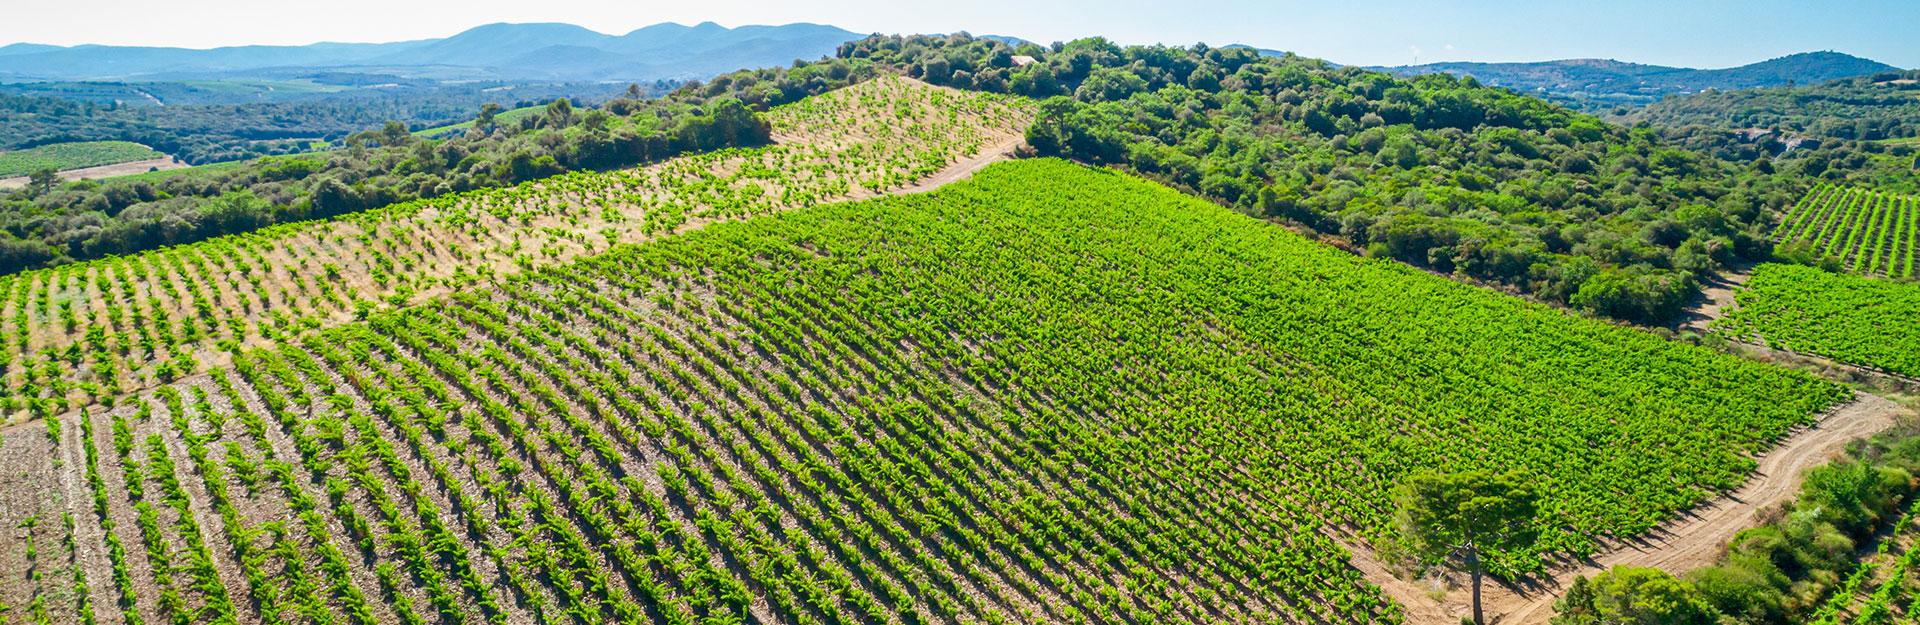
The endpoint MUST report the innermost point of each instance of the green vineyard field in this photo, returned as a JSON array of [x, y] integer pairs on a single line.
[[64, 156], [88, 331], [1873, 234], [1048, 393], [1853, 319]]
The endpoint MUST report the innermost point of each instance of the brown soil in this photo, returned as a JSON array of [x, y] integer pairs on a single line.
[[1682, 544], [1716, 299], [965, 168], [104, 171]]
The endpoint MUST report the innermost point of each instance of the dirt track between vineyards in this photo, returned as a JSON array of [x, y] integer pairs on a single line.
[[104, 171], [1716, 299], [1684, 543], [965, 168]]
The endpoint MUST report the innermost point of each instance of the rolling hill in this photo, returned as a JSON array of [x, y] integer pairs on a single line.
[[854, 371], [492, 52], [1612, 80], [1046, 394], [877, 136]]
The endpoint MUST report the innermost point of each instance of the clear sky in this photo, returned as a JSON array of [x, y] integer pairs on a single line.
[[1694, 33]]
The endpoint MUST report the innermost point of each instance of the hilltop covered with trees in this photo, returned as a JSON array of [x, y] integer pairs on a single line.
[[1867, 108], [1437, 171], [1862, 131]]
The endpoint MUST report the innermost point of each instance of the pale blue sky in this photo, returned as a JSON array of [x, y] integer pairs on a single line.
[[1698, 33]]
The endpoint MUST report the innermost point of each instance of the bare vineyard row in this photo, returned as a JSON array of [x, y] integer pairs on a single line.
[[88, 332]]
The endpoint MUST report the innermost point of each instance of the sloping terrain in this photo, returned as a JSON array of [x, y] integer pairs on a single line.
[[66, 156], [1046, 394], [1853, 319], [1866, 108], [91, 330], [1685, 543], [1869, 233]]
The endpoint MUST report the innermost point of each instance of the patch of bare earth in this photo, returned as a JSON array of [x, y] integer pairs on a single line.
[[105, 171], [1715, 301], [1690, 541]]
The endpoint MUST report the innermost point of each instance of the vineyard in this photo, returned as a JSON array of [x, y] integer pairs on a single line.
[[64, 156], [1872, 234], [1862, 321], [1046, 394], [87, 332], [1883, 587]]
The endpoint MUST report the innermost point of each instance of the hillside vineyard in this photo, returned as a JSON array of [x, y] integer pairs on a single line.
[[1870, 322], [1870, 233], [85, 332], [1048, 393]]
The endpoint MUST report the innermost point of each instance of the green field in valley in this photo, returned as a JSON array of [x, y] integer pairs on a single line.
[[65, 156], [509, 116]]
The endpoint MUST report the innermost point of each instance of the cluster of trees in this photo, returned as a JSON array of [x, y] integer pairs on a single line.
[[1780, 572], [210, 133], [46, 225], [1437, 171], [1860, 131], [1867, 108], [1883, 165]]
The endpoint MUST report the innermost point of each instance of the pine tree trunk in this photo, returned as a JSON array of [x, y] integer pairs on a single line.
[[1473, 569]]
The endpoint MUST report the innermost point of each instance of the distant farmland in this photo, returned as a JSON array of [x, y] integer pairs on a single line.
[[510, 116], [65, 156]]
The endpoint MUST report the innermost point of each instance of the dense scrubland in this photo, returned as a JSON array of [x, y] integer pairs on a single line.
[[1049, 393], [1866, 108], [86, 332]]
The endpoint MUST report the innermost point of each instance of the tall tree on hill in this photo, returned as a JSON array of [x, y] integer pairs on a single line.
[[43, 179], [486, 119], [1447, 516], [559, 113]]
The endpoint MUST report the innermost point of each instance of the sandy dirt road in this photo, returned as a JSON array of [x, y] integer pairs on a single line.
[[1684, 543], [104, 171]]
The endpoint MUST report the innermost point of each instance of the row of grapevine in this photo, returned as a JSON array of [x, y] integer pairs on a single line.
[[1881, 584], [1048, 394], [87, 332], [1871, 233], [1868, 322]]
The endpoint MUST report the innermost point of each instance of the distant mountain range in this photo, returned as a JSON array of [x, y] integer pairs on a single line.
[[1616, 80], [552, 52]]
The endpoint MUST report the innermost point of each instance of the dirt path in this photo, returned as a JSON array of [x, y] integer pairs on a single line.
[[1716, 298], [104, 171], [965, 168], [1682, 544]]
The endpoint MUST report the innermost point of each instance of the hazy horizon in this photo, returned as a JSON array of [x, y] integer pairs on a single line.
[[1385, 33], [1392, 32]]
